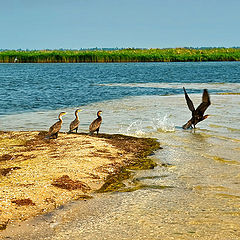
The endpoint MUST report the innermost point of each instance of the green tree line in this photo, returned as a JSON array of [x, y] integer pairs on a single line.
[[123, 55]]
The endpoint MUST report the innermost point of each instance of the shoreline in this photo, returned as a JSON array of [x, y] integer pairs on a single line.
[[39, 175], [120, 55]]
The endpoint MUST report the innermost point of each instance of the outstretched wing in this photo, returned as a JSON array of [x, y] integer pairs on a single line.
[[189, 101], [205, 102]]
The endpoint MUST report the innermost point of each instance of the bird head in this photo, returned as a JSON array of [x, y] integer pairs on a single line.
[[78, 110], [62, 113], [205, 116], [99, 113]]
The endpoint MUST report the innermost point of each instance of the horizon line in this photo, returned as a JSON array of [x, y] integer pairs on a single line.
[[112, 48]]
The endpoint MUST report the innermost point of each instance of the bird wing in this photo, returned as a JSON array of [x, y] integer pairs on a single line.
[[187, 125], [205, 102], [74, 124], [95, 125], [189, 101], [55, 128]]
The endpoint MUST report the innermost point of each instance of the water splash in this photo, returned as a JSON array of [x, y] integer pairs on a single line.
[[163, 124], [138, 128], [135, 128]]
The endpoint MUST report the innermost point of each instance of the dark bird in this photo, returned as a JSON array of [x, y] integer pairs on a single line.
[[55, 128], [95, 125], [75, 123], [197, 115]]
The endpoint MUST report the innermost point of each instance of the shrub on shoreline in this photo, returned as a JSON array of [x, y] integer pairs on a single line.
[[122, 55]]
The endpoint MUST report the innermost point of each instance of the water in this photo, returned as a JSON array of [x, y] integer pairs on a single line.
[[194, 191], [36, 87]]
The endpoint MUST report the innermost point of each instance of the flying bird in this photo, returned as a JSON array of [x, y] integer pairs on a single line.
[[197, 114], [95, 125], [55, 128]]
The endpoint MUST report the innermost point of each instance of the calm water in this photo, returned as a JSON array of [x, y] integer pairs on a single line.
[[36, 87], [193, 193]]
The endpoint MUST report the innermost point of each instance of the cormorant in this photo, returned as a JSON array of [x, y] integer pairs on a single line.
[[95, 125], [197, 115], [55, 128], [74, 124]]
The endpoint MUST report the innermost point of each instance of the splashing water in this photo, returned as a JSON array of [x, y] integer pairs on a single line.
[[158, 124], [135, 128], [163, 124]]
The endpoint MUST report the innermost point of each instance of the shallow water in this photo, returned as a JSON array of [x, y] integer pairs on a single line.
[[194, 191]]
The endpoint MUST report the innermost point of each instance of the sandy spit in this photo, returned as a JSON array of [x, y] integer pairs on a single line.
[[38, 175]]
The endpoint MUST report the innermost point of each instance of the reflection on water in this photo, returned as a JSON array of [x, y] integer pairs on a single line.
[[193, 193]]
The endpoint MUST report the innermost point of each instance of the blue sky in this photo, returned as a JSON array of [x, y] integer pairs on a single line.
[[75, 24]]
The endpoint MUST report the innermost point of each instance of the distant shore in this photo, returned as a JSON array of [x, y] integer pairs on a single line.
[[121, 55], [38, 175]]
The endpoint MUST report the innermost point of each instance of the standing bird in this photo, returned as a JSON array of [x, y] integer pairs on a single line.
[[197, 115], [55, 128], [75, 123], [95, 125]]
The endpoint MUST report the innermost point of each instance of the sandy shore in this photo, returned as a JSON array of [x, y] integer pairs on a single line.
[[37, 175]]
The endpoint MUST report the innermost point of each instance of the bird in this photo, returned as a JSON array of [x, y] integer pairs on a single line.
[[95, 125], [75, 123], [197, 114], [55, 128]]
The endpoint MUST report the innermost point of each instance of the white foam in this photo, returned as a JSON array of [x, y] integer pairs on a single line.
[[163, 124]]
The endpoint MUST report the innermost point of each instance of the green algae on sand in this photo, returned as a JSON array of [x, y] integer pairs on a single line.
[[141, 148]]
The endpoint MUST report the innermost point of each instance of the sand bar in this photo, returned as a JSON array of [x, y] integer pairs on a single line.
[[38, 175]]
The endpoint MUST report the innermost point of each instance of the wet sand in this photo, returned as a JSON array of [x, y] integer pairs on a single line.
[[38, 175]]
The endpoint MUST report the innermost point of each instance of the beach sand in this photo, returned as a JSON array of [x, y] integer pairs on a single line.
[[38, 175]]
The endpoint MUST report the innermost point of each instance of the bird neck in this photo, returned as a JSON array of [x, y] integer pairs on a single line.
[[60, 118], [76, 114]]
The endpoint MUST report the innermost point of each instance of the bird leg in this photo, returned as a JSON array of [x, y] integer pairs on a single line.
[[76, 129], [56, 135]]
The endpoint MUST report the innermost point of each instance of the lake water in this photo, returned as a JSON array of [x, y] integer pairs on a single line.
[[193, 193]]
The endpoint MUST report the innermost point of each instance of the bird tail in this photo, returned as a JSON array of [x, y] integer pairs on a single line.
[[187, 125], [90, 133]]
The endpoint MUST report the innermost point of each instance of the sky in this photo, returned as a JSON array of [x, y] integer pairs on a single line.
[[76, 24]]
